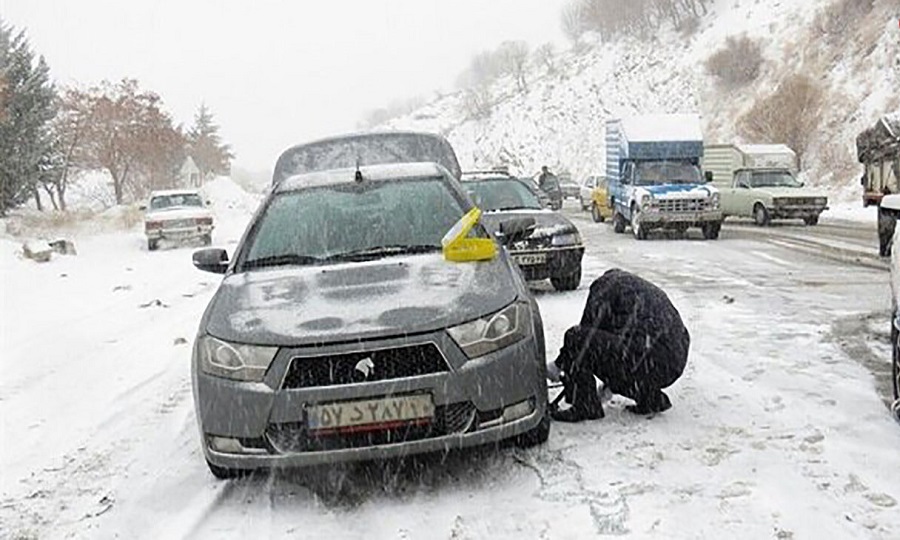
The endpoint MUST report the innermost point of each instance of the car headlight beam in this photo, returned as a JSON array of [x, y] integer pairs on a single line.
[[493, 332], [234, 361]]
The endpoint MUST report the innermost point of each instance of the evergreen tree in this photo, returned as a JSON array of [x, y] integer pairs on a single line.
[[205, 145], [26, 109]]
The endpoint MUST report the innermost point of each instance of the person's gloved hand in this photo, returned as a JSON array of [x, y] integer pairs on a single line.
[[553, 372]]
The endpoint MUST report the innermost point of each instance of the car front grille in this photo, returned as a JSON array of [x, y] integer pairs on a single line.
[[528, 244], [367, 366], [795, 201], [293, 437], [683, 205], [179, 223]]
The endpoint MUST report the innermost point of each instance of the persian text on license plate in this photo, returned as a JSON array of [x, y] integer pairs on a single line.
[[530, 259], [370, 414]]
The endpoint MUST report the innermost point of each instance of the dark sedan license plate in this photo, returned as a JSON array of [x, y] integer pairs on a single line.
[[530, 259], [370, 414]]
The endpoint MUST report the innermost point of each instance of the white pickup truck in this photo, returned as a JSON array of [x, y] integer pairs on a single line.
[[759, 181]]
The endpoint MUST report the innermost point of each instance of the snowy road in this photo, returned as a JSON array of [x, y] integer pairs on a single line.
[[779, 426]]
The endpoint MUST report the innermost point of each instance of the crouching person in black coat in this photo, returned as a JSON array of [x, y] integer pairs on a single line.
[[632, 338]]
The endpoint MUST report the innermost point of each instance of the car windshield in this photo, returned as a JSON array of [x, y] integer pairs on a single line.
[[666, 172], [162, 202], [353, 222], [502, 194], [773, 179]]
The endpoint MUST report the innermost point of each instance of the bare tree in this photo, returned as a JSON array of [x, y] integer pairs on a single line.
[[512, 58], [789, 115], [738, 62], [545, 56]]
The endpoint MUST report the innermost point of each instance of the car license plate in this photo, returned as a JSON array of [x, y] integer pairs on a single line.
[[370, 414], [530, 259]]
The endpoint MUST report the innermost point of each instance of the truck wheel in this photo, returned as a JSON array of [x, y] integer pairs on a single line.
[[636, 229], [618, 223], [595, 214], [152, 245], [711, 230], [567, 283], [760, 215], [811, 220]]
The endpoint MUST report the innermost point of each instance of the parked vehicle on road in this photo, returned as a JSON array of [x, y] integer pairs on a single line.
[[878, 149], [569, 187], [894, 206], [601, 210], [759, 182], [584, 191], [653, 169], [341, 331], [177, 215], [552, 249]]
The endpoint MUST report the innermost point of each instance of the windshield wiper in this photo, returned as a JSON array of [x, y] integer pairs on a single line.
[[285, 259], [384, 251]]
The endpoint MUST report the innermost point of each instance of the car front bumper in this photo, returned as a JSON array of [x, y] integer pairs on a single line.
[[179, 233], [269, 421], [796, 211], [558, 261], [655, 219]]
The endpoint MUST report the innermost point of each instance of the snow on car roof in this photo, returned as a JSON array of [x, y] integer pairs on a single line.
[[663, 127], [167, 192], [390, 171], [765, 149]]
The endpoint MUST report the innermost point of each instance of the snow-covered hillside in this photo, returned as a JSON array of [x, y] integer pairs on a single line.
[[559, 120]]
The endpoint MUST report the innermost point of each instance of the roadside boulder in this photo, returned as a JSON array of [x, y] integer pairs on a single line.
[[37, 251], [63, 247]]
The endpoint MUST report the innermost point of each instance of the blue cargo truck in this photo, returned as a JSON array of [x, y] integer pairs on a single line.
[[655, 182]]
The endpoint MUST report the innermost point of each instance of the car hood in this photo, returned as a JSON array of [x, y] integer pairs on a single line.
[[679, 191], [547, 222], [184, 212], [388, 297], [790, 192]]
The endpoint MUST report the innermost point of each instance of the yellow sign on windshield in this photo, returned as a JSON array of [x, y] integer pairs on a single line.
[[457, 247]]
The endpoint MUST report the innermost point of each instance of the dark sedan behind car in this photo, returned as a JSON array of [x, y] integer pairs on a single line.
[[553, 249]]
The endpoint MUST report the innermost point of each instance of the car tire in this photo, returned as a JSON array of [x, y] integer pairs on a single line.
[[711, 230], [618, 223], [224, 473], [567, 283], [152, 245], [583, 207], [636, 229], [595, 214], [537, 435], [811, 220], [760, 215]]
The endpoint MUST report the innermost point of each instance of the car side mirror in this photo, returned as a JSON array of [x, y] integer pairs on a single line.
[[515, 230], [213, 260], [708, 175], [142, 207]]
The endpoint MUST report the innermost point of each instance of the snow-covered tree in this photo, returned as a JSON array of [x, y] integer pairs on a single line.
[[26, 110], [204, 144]]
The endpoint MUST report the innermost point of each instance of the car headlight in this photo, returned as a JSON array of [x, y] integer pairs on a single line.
[[778, 202], [645, 201], [569, 239], [821, 201], [714, 200], [234, 361], [493, 332]]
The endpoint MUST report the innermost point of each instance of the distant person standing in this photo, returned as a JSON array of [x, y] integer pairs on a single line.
[[549, 184]]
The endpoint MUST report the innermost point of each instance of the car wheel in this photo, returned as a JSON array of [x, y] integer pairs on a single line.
[[595, 213], [224, 473], [537, 435], [711, 230], [811, 220], [581, 201], [567, 283], [618, 223], [760, 215], [636, 229], [152, 245]]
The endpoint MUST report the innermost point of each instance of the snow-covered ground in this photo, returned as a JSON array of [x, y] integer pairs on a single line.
[[779, 426]]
